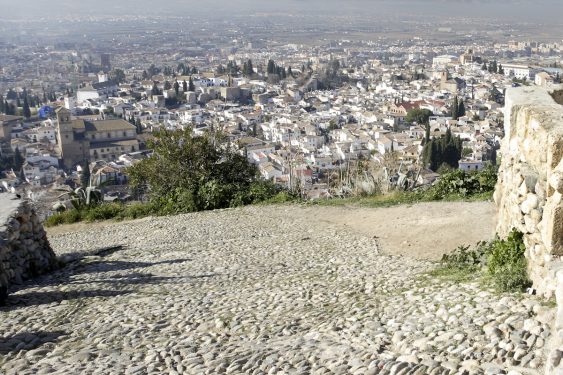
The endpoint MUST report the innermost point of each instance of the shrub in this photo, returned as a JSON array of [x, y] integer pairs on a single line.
[[136, 211], [458, 183], [507, 265], [503, 261], [65, 217], [102, 212]]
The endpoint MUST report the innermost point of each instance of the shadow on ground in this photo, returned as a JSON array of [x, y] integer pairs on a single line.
[[28, 341], [122, 276], [44, 298]]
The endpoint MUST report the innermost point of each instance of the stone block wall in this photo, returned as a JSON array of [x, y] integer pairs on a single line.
[[529, 191], [24, 249]]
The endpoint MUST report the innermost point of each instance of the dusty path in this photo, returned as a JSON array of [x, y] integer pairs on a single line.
[[422, 231]]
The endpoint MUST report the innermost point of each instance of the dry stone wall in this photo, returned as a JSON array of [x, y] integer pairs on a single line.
[[529, 193], [24, 249]]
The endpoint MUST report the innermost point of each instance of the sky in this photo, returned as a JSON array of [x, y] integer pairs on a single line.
[[509, 10]]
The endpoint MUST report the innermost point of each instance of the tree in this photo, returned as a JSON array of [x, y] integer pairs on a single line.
[[290, 72], [192, 173], [117, 76], [176, 88], [26, 109], [455, 109], [185, 86], [446, 150], [85, 175], [2, 105], [138, 126], [426, 133], [271, 67], [191, 86], [500, 69], [155, 90], [418, 115], [484, 67], [12, 95], [167, 85], [461, 108], [18, 160], [245, 69]]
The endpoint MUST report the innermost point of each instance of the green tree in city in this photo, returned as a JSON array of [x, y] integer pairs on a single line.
[[26, 109], [117, 76], [461, 108], [455, 109], [85, 175], [446, 150], [176, 88], [185, 86], [155, 90], [191, 85], [18, 160], [418, 115]]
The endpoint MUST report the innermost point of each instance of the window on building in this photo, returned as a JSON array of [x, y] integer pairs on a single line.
[[125, 134]]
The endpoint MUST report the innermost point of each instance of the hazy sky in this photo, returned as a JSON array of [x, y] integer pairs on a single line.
[[521, 10]]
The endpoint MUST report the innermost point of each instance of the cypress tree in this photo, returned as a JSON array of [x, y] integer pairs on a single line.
[[177, 88], [2, 107], [245, 69], [18, 160], [26, 109], [85, 176], [191, 86], [461, 109], [455, 108], [271, 67], [426, 133], [185, 86]]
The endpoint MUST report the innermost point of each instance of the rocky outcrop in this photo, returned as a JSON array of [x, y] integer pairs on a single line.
[[24, 249], [530, 188]]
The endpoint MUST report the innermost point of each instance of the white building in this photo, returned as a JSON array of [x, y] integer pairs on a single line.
[[518, 71]]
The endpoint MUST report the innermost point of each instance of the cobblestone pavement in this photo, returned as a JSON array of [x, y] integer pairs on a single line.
[[257, 290]]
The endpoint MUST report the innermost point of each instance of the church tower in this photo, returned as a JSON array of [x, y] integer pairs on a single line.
[[71, 150]]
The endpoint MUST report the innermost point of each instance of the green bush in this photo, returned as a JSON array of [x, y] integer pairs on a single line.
[[102, 212], [507, 265], [458, 183], [136, 211], [65, 217], [503, 261]]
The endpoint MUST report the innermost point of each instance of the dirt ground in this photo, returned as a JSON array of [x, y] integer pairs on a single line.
[[422, 231]]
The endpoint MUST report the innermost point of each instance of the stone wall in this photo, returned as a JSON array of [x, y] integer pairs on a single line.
[[529, 191], [24, 249]]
